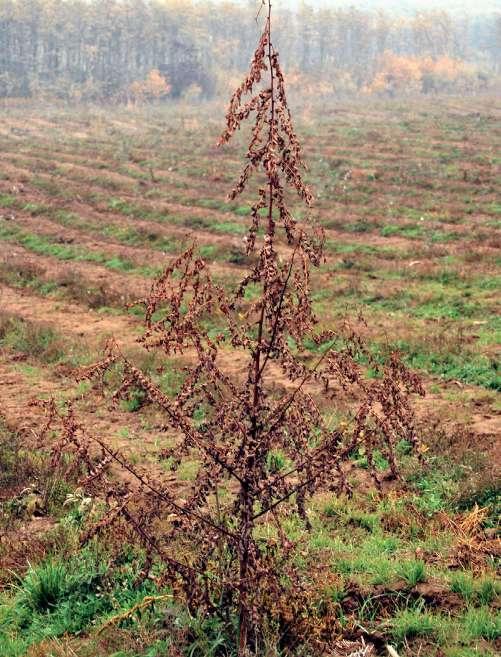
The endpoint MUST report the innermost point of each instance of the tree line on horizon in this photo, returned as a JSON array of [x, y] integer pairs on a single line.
[[135, 50]]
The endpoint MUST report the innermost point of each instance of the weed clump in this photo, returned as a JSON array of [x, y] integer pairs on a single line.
[[413, 572], [33, 340], [251, 452]]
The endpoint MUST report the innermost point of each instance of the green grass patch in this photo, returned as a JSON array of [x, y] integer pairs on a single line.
[[38, 341], [43, 245], [412, 572], [59, 597], [416, 623]]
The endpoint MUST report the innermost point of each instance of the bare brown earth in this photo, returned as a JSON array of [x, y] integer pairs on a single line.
[[93, 203], [91, 328], [367, 170]]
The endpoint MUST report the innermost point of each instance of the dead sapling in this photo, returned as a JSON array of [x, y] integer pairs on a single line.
[[223, 542]]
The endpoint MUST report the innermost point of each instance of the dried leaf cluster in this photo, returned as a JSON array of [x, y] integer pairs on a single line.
[[222, 540]]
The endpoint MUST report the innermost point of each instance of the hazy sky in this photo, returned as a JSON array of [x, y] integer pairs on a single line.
[[461, 6]]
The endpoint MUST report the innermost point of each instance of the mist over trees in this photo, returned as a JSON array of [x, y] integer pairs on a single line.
[[137, 49]]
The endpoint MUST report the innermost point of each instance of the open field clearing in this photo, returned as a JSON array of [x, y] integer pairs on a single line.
[[94, 204]]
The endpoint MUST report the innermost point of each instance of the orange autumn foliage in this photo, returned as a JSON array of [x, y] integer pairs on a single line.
[[154, 87], [401, 74]]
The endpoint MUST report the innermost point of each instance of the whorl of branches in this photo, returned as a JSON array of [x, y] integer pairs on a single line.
[[214, 556]]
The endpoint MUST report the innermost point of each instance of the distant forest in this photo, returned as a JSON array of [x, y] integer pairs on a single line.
[[135, 50]]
